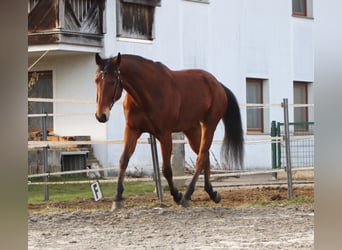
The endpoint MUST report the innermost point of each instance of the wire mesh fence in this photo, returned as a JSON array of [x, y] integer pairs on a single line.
[[302, 144]]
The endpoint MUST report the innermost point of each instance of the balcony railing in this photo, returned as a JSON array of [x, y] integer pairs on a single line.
[[77, 22]]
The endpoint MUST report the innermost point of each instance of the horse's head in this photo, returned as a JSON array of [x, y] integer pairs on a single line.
[[108, 84]]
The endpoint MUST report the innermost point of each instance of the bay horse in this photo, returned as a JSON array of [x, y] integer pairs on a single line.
[[161, 101]]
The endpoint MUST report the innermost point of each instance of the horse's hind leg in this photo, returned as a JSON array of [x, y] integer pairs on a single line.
[[194, 138], [166, 149], [130, 140], [214, 195], [202, 163]]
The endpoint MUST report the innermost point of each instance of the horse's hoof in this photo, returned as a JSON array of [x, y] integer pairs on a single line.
[[186, 203], [217, 197], [179, 199], [117, 205]]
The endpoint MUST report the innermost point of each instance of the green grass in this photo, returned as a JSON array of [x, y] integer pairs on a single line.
[[71, 192], [61, 179]]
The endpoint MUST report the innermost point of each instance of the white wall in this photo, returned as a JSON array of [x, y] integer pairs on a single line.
[[303, 56], [231, 39]]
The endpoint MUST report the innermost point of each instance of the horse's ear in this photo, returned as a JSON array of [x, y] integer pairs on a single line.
[[98, 59], [117, 60]]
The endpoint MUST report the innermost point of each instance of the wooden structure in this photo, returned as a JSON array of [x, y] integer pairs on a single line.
[[76, 22]]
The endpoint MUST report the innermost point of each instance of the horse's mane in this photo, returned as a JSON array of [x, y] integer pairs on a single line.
[[145, 61], [108, 66], [137, 58]]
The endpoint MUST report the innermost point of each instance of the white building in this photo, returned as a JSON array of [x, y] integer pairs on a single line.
[[260, 49]]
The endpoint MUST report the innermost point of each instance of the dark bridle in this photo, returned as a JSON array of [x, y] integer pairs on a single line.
[[117, 83]]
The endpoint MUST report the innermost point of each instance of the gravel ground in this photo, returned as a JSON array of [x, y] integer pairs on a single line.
[[148, 227]]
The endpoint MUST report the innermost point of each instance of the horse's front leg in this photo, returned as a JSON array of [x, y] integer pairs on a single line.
[[130, 141], [166, 149]]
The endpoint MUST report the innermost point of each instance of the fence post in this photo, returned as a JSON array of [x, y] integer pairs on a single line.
[[45, 156], [156, 168], [287, 147], [274, 148], [278, 146], [178, 159]]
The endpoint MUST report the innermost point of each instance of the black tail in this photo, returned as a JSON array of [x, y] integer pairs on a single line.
[[232, 151]]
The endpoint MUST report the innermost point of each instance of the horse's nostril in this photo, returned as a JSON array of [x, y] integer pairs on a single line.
[[101, 118]]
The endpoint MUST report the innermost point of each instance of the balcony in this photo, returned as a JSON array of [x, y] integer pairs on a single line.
[[66, 22]]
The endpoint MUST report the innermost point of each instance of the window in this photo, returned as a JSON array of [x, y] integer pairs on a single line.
[[302, 8], [299, 7], [135, 18], [40, 86], [31, 5], [255, 115], [199, 1], [300, 96]]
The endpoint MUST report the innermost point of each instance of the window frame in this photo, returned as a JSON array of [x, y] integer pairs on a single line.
[[301, 128], [261, 128], [140, 6], [144, 2], [36, 90], [304, 12], [199, 1]]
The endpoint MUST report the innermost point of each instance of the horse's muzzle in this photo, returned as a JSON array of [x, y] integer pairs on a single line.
[[102, 118]]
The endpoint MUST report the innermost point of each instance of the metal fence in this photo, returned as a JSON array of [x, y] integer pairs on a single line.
[[300, 141], [302, 144]]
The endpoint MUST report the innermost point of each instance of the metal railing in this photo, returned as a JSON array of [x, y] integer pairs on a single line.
[[302, 144]]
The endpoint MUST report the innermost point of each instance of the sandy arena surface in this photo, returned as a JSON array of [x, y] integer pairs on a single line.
[[238, 222]]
